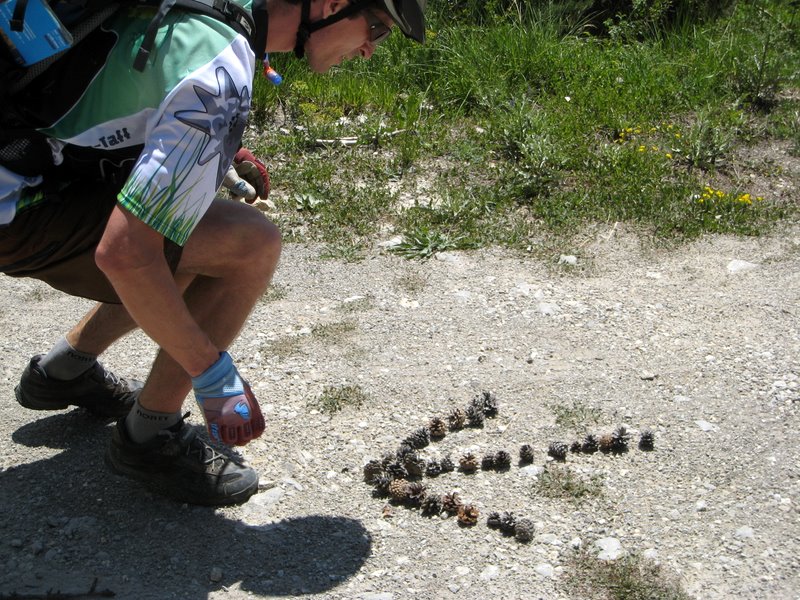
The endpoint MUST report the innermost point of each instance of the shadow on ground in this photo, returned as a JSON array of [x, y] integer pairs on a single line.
[[67, 522]]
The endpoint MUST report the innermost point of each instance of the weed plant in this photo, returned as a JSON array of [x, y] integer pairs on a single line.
[[522, 120]]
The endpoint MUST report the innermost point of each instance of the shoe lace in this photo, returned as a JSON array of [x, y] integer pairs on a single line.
[[203, 450]]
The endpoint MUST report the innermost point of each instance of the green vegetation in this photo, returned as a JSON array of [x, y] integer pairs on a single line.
[[334, 398], [628, 578], [562, 482], [575, 417], [520, 123]]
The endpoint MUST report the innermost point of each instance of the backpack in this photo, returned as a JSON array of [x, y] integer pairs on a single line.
[[81, 17], [22, 148]]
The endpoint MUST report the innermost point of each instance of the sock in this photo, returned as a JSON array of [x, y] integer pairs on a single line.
[[143, 424], [64, 362]]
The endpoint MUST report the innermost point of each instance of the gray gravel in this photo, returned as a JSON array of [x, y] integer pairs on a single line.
[[699, 343]]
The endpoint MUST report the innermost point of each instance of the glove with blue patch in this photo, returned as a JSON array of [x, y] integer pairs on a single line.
[[229, 407]]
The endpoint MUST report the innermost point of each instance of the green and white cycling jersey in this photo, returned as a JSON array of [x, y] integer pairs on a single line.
[[186, 112]]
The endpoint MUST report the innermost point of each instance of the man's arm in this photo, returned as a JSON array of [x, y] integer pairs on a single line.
[[131, 254]]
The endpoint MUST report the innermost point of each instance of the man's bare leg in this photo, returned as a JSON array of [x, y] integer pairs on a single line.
[[232, 253]]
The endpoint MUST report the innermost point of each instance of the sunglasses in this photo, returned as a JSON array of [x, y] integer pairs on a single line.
[[378, 30]]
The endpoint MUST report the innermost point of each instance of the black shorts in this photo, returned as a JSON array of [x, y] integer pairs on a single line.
[[55, 241]]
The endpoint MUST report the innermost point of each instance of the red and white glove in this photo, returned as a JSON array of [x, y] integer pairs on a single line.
[[253, 171]]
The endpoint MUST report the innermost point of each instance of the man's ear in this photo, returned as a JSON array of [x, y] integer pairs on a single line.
[[331, 7]]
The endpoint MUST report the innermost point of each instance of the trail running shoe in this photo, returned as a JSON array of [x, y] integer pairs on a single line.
[[179, 464], [98, 390]]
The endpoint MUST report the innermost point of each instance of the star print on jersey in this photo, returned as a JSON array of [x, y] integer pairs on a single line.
[[223, 120]]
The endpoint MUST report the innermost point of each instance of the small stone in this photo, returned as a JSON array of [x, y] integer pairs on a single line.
[[37, 547], [610, 548], [568, 259], [216, 575], [462, 570], [650, 554], [576, 543], [744, 533], [490, 572], [16, 543], [454, 587], [547, 309], [545, 570], [705, 425], [647, 376], [701, 506], [740, 266]]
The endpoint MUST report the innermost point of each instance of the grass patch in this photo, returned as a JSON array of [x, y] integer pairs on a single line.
[[275, 292], [333, 332], [412, 282], [283, 347], [562, 482], [335, 398], [576, 416], [524, 127], [628, 578]]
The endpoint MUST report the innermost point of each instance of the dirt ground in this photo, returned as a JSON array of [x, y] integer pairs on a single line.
[[700, 343]]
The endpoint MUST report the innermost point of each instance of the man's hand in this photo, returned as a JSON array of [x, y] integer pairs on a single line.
[[253, 171], [229, 407]]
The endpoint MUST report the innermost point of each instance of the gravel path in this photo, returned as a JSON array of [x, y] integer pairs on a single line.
[[700, 343]]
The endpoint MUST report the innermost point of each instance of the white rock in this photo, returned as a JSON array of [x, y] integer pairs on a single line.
[[548, 309], [462, 570], [701, 506], [706, 426], [610, 548], [545, 570], [568, 259], [744, 533], [740, 266], [576, 543], [490, 572], [650, 554], [548, 538], [531, 470], [392, 242]]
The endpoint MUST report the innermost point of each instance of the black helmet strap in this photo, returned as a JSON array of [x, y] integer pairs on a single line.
[[306, 28]]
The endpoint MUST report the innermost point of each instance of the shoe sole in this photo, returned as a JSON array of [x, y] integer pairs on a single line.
[[38, 405], [147, 479], [49, 405]]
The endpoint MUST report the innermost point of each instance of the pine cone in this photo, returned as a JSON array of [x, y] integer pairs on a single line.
[[468, 463], [526, 454], [372, 470], [415, 465], [619, 440], [447, 464], [438, 428], [416, 494], [558, 450], [576, 447], [507, 523], [419, 439], [433, 469], [487, 402], [502, 460], [493, 520], [590, 444], [398, 490], [605, 442], [388, 459], [524, 530], [431, 506], [487, 462], [475, 416], [468, 515], [381, 483], [451, 502], [403, 451], [395, 470], [456, 419], [647, 441]]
